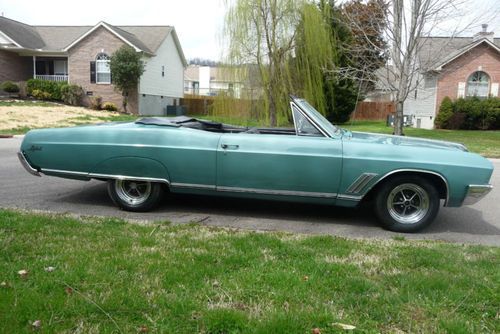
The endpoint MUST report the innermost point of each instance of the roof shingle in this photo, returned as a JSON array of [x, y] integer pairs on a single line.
[[57, 38]]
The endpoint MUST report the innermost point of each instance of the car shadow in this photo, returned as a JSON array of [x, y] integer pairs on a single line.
[[457, 220], [462, 220], [263, 209]]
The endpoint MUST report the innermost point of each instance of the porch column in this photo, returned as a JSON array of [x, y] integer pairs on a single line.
[[34, 67]]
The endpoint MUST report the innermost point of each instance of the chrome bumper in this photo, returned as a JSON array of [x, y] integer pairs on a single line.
[[475, 192], [26, 164]]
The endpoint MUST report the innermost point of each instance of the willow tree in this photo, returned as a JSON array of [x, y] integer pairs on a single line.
[[264, 33], [314, 54]]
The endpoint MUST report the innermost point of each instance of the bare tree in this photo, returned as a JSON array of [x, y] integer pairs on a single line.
[[406, 24]]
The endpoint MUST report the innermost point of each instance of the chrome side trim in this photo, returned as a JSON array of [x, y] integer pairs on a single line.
[[475, 192], [104, 176], [414, 171], [193, 185], [350, 197], [26, 164], [277, 192], [128, 178], [68, 172], [360, 183]]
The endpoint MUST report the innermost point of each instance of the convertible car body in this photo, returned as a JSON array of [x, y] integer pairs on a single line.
[[405, 178]]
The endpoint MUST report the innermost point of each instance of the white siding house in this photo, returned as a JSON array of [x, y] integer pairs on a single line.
[[162, 82], [422, 102]]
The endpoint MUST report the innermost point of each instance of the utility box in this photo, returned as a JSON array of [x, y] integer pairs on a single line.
[[407, 120], [175, 110]]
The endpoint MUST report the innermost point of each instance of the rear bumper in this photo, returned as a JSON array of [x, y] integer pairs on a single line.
[[475, 192], [26, 165]]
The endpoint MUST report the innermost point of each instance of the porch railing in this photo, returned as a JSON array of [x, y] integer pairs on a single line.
[[52, 77]]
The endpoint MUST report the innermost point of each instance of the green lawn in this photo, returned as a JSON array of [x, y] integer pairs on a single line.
[[113, 276], [29, 103]]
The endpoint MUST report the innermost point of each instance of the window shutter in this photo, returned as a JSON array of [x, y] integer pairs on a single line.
[[461, 89], [92, 72], [494, 89]]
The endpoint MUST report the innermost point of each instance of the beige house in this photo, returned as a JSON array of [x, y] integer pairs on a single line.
[[212, 81], [80, 55]]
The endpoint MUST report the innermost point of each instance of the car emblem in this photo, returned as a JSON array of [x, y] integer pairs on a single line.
[[34, 148]]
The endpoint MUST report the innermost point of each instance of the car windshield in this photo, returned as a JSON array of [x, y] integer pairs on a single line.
[[317, 117]]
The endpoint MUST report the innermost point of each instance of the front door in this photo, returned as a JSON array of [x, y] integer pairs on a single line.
[[279, 164]]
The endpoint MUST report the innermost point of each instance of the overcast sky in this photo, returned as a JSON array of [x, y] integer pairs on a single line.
[[198, 22]]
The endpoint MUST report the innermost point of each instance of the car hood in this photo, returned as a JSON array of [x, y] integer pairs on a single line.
[[402, 141]]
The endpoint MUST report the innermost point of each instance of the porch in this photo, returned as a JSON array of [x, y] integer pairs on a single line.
[[50, 68]]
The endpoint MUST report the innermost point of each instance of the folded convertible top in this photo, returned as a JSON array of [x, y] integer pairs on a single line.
[[189, 122]]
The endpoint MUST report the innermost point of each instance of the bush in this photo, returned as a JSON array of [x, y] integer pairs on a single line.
[[72, 94], [41, 95], [109, 106], [469, 114], [10, 87], [96, 103], [445, 113], [51, 87]]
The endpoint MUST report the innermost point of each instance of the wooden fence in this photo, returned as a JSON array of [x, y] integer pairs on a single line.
[[373, 110], [202, 105], [197, 105]]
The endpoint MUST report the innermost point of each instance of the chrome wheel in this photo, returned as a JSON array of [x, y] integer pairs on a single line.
[[133, 192], [408, 203]]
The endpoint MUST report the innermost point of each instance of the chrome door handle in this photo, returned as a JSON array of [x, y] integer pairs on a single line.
[[230, 147]]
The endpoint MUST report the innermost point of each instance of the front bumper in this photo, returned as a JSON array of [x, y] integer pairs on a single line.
[[475, 192], [26, 164]]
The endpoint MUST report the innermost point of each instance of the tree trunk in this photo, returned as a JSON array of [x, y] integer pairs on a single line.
[[272, 96], [125, 101], [398, 120], [272, 109]]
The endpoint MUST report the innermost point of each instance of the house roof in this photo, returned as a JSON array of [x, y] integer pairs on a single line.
[[58, 37], [23, 35], [61, 38], [437, 51]]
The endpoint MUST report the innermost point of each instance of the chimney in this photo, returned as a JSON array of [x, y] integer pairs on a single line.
[[484, 34]]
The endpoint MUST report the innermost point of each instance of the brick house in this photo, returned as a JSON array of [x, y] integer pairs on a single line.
[[80, 55], [454, 67]]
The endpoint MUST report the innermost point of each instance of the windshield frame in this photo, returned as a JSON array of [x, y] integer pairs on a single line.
[[318, 120]]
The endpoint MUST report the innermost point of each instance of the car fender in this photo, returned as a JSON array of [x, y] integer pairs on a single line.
[[131, 167]]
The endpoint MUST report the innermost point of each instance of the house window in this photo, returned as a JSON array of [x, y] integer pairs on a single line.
[[103, 71], [478, 84]]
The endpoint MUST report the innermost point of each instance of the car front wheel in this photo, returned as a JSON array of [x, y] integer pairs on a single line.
[[133, 195], [407, 203]]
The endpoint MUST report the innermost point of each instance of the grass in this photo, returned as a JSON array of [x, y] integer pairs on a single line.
[[113, 276], [15, 131], [486, 143], [107, 118], [28, 103]]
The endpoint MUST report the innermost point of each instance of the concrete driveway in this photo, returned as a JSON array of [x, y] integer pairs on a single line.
[[478, 224]]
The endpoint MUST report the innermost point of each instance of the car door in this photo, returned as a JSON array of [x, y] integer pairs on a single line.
[[307, 164]]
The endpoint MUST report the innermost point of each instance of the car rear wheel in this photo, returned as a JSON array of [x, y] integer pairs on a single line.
[[407, 203], [133, 195]]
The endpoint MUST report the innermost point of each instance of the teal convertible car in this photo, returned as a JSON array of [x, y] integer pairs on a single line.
[[405, 178]]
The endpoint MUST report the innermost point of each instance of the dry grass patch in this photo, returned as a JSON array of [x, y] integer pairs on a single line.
[[47, 115]]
